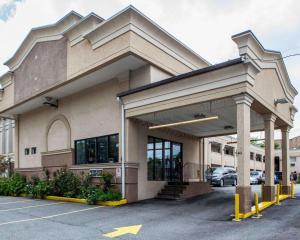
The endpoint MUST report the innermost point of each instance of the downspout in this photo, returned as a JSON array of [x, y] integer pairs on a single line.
[[203, 159], [123, 139]]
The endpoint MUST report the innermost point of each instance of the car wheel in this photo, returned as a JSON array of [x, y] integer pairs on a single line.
[[234, 182], [221, 183]]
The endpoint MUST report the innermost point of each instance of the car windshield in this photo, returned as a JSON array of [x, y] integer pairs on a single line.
[[253, 173], [217, 170]]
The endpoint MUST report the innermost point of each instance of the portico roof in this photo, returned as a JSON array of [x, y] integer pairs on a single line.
[[182, 76]]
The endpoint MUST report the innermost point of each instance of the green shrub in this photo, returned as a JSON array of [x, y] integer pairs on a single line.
[[66, 184], [107, 181], [16, 184], [93, 195], [96, 194], [4, 186], [110, 196], [38, 188]]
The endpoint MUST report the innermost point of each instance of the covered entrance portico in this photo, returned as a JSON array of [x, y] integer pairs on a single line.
[[227, 98]]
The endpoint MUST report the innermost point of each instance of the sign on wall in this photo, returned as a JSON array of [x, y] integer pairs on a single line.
[[118, 172], [96, 172]]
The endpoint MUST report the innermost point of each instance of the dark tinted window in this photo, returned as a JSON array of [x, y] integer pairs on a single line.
[[97, 150]]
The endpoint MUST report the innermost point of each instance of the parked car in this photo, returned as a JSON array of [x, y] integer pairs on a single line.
[[222, 176], [256, 177], [277, 178], [253, 180]]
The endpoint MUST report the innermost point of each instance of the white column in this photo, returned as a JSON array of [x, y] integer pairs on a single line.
[[269, 148], [243, 102], [234, 158], [201, 174], [285, 160], [222, 155], [269, 188], [16, 143]]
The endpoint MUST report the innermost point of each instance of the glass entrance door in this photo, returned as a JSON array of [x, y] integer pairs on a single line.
[[177, 162], [164, 160]]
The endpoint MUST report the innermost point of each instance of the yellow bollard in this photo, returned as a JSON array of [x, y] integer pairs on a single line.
[[277, 194], [257, 215], [292, 190], [262, 192], [236, 208], [280, 188]]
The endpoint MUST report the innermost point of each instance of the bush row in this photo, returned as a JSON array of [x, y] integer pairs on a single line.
[[64, 183]]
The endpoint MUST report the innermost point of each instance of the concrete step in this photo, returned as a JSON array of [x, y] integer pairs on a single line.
[[177, 191], [175, 187], [169, 197], [171, 191]]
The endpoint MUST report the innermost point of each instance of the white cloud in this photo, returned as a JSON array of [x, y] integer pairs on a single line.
[[206, 26], [8, 9]]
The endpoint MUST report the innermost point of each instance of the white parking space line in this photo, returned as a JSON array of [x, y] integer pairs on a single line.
[[33, 206], [48, 217], [4, 203]]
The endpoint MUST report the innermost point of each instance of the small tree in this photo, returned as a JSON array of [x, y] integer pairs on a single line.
[[3, 164]]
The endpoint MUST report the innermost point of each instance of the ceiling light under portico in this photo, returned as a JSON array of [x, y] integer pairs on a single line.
[[184, 122]]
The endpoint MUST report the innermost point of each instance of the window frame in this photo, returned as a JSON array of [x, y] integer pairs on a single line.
[[33, 150], [96, 149], [26, 151], [163, 148], [215, 145], [229, 150]]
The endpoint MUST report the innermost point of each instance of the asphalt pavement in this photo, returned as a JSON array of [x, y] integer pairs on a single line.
[[204, 217]]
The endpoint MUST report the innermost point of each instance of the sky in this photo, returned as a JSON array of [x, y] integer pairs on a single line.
[[206, 26]]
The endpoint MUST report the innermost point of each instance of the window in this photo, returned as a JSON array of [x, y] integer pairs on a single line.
[[228, 150], [164, 159], [216, 147], [293, 161], [102, 149], [33, 150], [258, 157], [252, 155], [26, 151]]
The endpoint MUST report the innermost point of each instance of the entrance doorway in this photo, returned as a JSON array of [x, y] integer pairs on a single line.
[[164, 160], [277, 164]]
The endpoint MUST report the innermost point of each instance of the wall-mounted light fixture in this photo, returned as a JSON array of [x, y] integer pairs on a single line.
[[50, 101], [280, 101]]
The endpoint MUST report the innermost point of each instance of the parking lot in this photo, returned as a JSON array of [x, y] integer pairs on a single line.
[[206, 217]]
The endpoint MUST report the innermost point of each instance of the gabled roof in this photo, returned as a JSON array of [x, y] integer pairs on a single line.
[[131, 9], [75, 32], [40, 34], [252, 48]]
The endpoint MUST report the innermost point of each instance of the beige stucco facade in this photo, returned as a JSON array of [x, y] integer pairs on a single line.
[[216, 155], [125, 75]]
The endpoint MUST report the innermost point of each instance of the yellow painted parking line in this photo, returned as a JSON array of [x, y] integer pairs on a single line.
[[4, 203], [48, 217], [33, 206]]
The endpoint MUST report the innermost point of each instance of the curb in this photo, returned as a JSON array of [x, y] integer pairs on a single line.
[[83, 201]]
